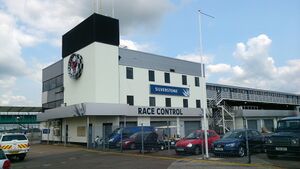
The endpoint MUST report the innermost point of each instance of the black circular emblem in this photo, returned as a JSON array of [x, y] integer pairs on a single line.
[[75, 66]]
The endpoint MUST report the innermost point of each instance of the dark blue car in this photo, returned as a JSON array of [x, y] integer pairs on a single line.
[[115, 136], [234, 143]]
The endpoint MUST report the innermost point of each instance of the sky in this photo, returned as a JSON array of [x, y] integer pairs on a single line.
[[248, 43]]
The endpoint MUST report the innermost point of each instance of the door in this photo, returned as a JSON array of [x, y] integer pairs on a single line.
[[90, 135], [107, 129], [67, 134], [190, 126]]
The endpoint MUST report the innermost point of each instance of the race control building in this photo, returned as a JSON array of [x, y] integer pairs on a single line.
[[97, 87]]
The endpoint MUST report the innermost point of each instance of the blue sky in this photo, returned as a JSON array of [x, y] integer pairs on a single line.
[[249, 43]]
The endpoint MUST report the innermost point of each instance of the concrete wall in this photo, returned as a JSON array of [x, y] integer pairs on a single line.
[[99, 79]]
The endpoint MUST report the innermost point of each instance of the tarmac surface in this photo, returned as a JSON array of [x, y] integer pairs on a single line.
[[74, 157]]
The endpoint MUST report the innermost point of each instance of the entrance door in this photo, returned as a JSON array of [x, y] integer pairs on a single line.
[[107, 129], [90, 135], [190, 126], [67, 133]]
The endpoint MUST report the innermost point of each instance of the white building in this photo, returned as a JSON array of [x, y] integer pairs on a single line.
[[98, 86]]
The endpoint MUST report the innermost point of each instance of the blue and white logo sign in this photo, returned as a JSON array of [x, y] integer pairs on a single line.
[[169, 90]]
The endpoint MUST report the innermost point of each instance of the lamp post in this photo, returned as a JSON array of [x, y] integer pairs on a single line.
[[205, 123]]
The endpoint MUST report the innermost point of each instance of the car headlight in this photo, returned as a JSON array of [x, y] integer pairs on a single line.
[[126, 142], [269, 141], [111, 140], [295, 141], [189, 145], [230, 145]]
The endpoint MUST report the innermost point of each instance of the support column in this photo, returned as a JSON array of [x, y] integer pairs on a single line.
[[87, 131], [178, 126]]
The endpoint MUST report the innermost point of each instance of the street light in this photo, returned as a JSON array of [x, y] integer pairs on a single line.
[[203, 79]]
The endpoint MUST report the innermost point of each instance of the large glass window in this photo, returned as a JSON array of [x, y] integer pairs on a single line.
[[252, 124], [269, 124], [152, 101], [130, 100], [168, 102], [167, 77], [129, 72], [197, 83], [185, 103], [151, 75], [184, 80]]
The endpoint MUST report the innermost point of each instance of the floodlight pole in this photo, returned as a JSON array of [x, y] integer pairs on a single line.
[[205, 123]]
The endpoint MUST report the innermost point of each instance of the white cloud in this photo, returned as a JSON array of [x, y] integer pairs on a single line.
[[9, 99], [196, 58], [129, 44], [257, 68]]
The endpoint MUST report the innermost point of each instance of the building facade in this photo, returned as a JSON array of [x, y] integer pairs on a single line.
[[97, 87]]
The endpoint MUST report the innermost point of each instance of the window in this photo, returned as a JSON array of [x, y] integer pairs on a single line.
[[167, 77], [151, 75], [130, 100], [168, 102], [184, 80], [197, 81], [185, 103], [129, 72], [81, 131], [198, 103], [151, 101]]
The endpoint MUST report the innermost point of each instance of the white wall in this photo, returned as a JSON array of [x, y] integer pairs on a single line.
[[139, 88], [99, 78]]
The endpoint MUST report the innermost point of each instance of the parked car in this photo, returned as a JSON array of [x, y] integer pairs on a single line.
[[150, 141], [129, 143], [286, 139], [234, 142], [115, 137], [14, 145], [193, 142], [4, 162]]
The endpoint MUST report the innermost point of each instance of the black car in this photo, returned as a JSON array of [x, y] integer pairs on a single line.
[[234, 143], [285, 140], [150, 141]]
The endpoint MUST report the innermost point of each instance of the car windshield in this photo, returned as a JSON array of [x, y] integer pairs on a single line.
[[234, 134], [14, 137], [134, 135], [194, 135], [289, 125]]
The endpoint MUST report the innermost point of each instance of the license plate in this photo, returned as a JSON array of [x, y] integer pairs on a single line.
[[180, 149], [14, 152], [218, 149], [280, 148]]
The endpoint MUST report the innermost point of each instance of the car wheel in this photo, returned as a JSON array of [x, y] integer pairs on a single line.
[[270, 156], [197, 150], [132, 146], [241, 151]]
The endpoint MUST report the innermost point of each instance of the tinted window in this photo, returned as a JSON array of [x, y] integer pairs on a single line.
[[129, 72], [198, 104], [151, 101], [184, 80], [168, 102], [194, 135], [151, 75], [185, 103], [197, 81], [167, 77], [234, 134], [130, 100], [13, 137]]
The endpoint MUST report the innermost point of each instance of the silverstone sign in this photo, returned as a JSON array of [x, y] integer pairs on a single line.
[[169, 90]]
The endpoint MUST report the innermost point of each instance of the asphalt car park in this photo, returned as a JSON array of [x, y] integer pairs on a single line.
[[59, 157]]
